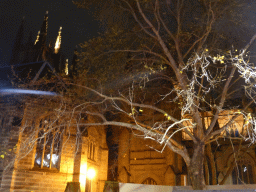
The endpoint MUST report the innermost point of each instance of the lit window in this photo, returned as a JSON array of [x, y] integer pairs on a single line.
[[48, 145], [91, 151]]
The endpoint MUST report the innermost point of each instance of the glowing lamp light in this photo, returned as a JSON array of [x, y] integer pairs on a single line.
[[91, 173], [83, 168], [82, 177]]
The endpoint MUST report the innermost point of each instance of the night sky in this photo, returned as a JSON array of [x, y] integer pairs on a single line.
[[78, 25]]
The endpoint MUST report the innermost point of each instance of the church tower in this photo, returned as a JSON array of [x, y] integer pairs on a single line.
[[43, 32], [40, 43], [58, 42], [37, 51], [17, 47]]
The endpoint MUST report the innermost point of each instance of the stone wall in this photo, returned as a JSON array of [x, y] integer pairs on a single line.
[[24, 176], [138, 162], [11, 114]]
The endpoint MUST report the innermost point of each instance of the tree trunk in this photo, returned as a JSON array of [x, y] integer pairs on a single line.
[[196, 168], [212, 164]]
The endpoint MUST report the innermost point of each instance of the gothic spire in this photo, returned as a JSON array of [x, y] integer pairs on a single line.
[[29, 49], [66, 67], [43, 32], [30, 40], [37, 37], [17, 47], [58, 42]]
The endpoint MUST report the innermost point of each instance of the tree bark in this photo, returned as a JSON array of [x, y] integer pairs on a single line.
[[196, 168], [212, 164]]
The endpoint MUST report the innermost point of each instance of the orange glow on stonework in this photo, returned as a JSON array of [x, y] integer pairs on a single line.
[[58, 42]]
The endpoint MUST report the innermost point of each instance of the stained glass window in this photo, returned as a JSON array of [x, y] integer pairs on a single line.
[[48, 144]]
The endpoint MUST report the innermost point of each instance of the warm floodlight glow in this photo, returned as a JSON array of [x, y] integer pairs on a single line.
[[91, 173], [66, 67], [82, 177], [83, 168], [58, 42], [37, 37]]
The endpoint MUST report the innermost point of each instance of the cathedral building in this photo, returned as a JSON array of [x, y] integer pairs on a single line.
[[43, 146], [228, 161]]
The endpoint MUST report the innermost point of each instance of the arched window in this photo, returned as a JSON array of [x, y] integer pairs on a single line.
[[48, 144], [91, 151], [149, 181], [243, 173]]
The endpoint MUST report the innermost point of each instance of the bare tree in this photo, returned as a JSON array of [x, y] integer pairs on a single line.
[[184, 77], [198, 77]]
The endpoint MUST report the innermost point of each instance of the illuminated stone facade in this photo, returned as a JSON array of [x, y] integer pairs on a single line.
[[139, 163], [42, 146], [68, 152]]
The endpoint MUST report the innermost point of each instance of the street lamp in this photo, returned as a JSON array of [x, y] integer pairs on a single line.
[[91, 173]]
